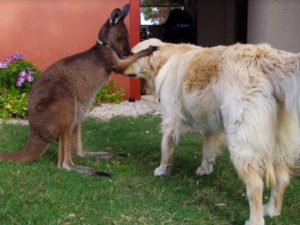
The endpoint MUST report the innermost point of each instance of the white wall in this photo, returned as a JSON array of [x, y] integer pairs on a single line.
[[276, 22]]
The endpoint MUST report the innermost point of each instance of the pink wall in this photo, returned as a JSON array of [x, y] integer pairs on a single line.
[[48, 30]]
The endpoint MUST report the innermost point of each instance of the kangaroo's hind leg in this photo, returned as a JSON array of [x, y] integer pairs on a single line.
[[66, 117], [78, 150], [65, 157]]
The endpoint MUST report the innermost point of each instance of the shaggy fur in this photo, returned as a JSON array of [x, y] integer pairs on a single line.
[[245, 93]]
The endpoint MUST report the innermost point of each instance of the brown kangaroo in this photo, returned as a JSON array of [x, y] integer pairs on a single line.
[[61, 97]]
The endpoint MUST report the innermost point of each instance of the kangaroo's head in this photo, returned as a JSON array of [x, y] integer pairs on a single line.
[[114, 32]]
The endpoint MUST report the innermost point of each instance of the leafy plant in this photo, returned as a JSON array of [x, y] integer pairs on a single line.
[[109, 92], [17, 76], [16, 79]]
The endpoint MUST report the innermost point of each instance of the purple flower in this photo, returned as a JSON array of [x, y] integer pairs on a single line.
[[19, 83], [30, 78], [17, 56], [3, 65], [21, 79], [22, 74], [13, 57]]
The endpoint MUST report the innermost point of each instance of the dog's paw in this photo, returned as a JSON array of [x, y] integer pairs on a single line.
[[262, 222], [201, 171], [270, 210], [161, 171]]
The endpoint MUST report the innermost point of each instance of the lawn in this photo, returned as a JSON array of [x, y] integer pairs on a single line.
[[40, 193]]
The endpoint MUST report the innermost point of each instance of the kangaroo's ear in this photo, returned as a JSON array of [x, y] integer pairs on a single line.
[[114, 16], [125, 10], [118, 15]]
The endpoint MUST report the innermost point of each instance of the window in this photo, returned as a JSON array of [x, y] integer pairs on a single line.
[[156, 12]]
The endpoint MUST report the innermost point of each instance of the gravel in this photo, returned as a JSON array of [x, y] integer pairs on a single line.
[[106, 111], [128, 109]]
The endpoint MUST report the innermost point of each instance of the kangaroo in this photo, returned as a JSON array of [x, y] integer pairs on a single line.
[[61, 97]]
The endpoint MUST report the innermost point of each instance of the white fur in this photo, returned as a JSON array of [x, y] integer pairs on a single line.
[[253, 100]]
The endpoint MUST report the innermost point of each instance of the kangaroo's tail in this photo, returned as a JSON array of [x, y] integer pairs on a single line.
[[32, 151]]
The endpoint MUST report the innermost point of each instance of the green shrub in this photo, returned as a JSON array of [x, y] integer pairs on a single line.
[[109, 92], [17, 76], [13, 104], [16, 79]]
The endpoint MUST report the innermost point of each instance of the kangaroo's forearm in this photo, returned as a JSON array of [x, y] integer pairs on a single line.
[[122, 64]]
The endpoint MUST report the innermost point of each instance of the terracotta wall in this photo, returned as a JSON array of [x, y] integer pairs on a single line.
[[47, 30]]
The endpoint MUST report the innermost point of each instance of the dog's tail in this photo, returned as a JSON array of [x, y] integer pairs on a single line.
[[283, 69], [32, 151], [296, 169], [270, 178]]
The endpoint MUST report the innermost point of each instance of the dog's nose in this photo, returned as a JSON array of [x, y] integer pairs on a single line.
[[131, 75]]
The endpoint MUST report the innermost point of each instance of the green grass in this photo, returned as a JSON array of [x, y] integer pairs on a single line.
[[40, 193]]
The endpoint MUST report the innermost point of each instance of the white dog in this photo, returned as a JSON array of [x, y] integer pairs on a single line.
[[247, 93]]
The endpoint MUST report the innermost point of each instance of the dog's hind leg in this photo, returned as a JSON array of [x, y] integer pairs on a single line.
[[254, 186], [78, 150], [65, 157], [32, 151], [211, 148], [273, 207]]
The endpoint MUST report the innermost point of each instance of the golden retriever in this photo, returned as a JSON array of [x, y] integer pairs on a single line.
[[246, 95]]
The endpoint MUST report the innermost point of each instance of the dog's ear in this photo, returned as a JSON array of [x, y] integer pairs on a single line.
[[118, 15]]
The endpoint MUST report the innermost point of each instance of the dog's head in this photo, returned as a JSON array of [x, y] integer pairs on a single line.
[[114, 32], [144, 67]]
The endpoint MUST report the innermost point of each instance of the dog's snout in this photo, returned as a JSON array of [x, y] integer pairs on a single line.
[[131, 75]]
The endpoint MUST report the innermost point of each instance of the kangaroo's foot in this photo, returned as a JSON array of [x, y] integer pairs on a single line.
[[101, 155], [85, 170]]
